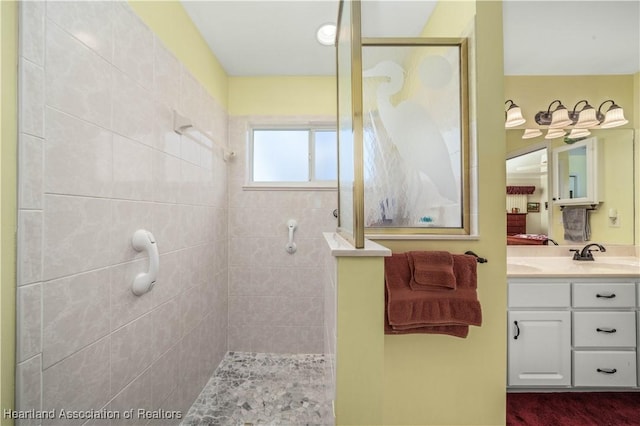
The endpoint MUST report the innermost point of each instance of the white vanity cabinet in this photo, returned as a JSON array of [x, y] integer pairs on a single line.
[[580, 333], [604, 334], [539, 334]]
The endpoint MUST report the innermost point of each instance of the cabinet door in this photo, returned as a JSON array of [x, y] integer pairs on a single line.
[[539, 348]]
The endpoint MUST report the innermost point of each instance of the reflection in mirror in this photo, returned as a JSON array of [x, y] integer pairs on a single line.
[[578, 173], [573, 165], [616, 172], [528, 199]]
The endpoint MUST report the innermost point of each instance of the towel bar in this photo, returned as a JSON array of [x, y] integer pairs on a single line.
[[478, 258], [593, 207]]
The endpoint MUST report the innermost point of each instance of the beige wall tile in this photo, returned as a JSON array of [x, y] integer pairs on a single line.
[[28, 388], [74, 314], [88, 23], [76, 235], [28, 321], [84, 89], [131, 351], [79, 382], [81, 147]]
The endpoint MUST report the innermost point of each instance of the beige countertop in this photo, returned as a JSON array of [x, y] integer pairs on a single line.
[[617, 262]]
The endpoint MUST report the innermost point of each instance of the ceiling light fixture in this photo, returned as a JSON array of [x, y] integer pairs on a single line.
[[326, 34], [513, 115]]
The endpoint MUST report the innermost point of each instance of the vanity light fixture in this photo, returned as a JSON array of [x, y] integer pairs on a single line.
[[326, 34], [555, 133], [586, 117], [513, 115], [581, 119], [554, 118], [531, 133], [614, 116], [578, 133]]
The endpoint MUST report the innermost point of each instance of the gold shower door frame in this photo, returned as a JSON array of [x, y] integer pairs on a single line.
[[354, 231], [461, 44], [356, 234]]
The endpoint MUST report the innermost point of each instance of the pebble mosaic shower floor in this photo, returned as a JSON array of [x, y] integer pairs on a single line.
[[264, 389]]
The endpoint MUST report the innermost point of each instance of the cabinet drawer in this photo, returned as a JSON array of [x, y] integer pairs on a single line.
[[539, 295], [516, 219], [609, 329], [604, 368], [516, 229], [595, 295]]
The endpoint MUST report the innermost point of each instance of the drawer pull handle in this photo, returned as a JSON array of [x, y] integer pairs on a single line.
[[606, 330], [606, 370], [606, 296], [517, 330]]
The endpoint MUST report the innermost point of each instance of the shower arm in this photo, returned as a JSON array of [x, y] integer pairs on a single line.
[[182, 126]]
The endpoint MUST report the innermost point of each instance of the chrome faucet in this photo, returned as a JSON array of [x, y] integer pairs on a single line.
[[585, 253]]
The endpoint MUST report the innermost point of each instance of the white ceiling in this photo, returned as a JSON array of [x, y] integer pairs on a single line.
[[571, 37], [267, 37], [530, 165]]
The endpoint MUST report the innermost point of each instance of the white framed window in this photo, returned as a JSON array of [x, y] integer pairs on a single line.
[[293, 156]]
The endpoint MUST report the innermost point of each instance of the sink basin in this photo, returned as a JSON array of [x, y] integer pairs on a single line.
[[565, 266], [518, 267], [618, 266], [614, 261]]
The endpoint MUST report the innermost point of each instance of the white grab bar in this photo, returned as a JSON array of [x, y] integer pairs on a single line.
[[144, 281], [182, 125], [291, 246]]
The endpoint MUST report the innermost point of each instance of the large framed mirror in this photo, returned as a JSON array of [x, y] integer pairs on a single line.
[[524, 167]]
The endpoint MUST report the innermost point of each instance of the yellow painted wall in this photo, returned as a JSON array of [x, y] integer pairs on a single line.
[[535, 93], [8, 201], [635, 118], [274, 95], [450, 19], [616, 146], [636, 126], [282, 95], [443, 380], [360, 362], [171, 23]]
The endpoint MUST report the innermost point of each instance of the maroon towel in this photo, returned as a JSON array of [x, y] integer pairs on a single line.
[[452, 330], [443, 312], [431, 270]]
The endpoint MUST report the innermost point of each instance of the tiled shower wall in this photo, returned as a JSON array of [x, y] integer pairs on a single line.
[[275, 298], [98, 159]]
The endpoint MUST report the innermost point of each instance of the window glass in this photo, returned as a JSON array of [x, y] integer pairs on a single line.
[[326, 155], [294, 156], [280, 155]]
